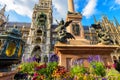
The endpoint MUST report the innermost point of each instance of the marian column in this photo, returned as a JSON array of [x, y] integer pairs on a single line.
[[70, 6], [75, 28]]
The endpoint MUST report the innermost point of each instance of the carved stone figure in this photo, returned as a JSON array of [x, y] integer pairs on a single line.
[[63, 35], [103, 36]]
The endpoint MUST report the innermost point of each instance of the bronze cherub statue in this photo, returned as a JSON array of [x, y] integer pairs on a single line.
[[63, 35], [102, 35]]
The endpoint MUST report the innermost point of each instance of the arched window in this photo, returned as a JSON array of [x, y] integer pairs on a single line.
[[39, 32], [76, 29], [37, 53], [38, 40], [37, 48], [114, 59]]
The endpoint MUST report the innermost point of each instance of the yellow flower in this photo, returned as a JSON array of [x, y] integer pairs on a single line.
[[19, 67], [85, 77]]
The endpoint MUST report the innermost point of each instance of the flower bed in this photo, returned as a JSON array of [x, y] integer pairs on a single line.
[[52, 71]]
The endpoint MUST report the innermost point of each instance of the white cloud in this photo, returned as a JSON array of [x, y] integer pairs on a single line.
[[60, 9], [21, 7], [117, 2], [116, 5], [89, 9], [25, 7]]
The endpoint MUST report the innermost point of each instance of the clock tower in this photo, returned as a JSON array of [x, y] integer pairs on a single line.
[[39, 36]]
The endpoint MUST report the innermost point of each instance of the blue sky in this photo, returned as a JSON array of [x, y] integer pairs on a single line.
[[21, 10]]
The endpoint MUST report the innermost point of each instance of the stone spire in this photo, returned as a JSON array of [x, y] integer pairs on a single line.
[[2, 11], [70, 6]]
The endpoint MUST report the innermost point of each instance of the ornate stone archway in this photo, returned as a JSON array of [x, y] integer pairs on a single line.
[[36, 52], [38, 40]]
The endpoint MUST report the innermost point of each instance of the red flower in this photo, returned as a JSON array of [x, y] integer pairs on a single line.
[[34, 78], [40, 67]]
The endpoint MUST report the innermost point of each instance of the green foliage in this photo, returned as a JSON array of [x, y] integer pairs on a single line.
[[98, 68], [78, 70], [51, 66], [28, 67], [112, 72], [48, 70]]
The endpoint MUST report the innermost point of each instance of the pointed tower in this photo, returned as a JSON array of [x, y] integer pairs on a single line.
[[116, 22], [39, 35], [2, 16], [2, 11], [75, 28]]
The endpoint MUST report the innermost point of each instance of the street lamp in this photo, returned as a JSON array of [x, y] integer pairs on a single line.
[[11, 48]]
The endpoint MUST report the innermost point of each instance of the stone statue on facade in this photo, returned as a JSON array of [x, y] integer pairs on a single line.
[[63, 35], [102, 35]]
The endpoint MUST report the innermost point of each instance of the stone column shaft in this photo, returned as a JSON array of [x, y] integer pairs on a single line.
[[70, 6]]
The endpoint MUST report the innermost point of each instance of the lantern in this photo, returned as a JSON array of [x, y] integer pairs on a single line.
[[11, 48]]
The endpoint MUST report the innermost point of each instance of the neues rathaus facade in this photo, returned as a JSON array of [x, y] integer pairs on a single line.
[[39, 38]]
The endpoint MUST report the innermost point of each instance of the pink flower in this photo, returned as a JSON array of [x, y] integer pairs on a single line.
[[36, 74]]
